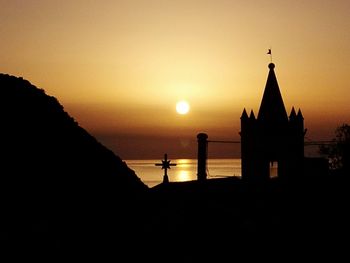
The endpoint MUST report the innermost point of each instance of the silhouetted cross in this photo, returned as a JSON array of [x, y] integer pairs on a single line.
[[165, 165]]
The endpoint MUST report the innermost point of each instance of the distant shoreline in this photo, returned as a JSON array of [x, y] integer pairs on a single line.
[[185, 169], [156, 159]]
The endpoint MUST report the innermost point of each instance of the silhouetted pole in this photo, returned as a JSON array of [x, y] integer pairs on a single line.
[[202, 156]]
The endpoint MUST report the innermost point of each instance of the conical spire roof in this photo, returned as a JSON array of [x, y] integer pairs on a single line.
[[300, 115], [244, 114], [272, 107], [293, 114], [252, 116]]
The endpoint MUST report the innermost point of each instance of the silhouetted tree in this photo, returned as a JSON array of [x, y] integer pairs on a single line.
[[338, 151]]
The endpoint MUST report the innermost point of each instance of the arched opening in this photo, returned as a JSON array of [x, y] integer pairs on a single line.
[[273, 169]]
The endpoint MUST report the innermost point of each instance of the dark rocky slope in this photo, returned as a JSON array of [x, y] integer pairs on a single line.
[[60, 187]]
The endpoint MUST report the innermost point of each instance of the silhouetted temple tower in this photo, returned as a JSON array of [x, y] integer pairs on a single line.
[[272, 144]]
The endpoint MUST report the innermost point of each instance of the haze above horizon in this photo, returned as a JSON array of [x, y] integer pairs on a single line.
[[120, 67]]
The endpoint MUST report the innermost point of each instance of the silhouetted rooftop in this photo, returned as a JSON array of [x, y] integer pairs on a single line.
[[272, 106]]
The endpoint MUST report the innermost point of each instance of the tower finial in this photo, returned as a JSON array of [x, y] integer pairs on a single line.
[[269, 52]]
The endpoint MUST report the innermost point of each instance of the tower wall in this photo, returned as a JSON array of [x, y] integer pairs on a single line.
[[262, 144]]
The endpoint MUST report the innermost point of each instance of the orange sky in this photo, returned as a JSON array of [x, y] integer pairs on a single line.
[[119, 67]]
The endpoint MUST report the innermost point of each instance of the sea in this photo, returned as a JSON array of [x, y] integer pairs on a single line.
[[184, 170]]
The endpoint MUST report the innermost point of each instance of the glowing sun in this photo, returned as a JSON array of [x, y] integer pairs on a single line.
[[182, 107]]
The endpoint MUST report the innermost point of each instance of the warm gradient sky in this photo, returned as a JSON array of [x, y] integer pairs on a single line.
[[119, 66]]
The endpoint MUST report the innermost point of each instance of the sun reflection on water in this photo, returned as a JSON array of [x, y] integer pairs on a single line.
[[184, 162], [183, 175], [184, 170]]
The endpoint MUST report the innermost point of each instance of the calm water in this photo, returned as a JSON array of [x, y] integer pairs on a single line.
[[185, 169]]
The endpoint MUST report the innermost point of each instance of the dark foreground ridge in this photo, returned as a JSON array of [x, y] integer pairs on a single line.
[[65, 196], [60, 188]]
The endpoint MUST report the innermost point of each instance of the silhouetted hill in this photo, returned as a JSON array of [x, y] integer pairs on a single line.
[[55, 177]]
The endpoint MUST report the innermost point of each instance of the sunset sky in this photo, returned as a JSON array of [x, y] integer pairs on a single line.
[[118, 67]]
